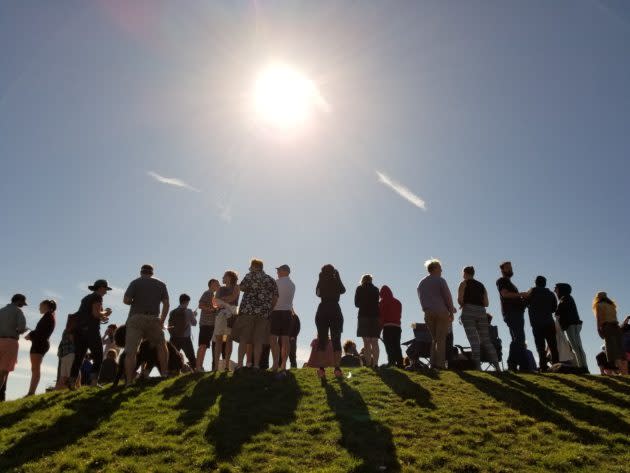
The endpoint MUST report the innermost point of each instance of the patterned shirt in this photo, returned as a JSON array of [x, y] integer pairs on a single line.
[[258, 289], [66, 346]]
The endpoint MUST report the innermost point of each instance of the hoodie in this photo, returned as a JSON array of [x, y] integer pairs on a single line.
[[390, 309]]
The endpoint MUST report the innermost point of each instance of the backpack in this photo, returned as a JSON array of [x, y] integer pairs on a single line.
[[177, 323]]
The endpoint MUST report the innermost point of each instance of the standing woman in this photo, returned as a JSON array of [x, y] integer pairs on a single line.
[[569, 320], [40, 341], [329, 317], [226, 299], [472, 297], [608, 328], [390, 310], [369, 325]]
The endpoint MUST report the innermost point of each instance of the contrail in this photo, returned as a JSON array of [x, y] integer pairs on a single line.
[[171, 181], [401, 190]]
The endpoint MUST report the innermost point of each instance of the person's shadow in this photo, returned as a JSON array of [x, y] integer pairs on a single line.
[[88, 411], [362, 436], [399, 382], [250, 402]]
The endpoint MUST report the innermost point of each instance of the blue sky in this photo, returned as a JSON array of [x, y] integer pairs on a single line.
[[508, 119]]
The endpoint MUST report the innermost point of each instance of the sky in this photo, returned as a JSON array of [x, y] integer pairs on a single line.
[[474, 132]]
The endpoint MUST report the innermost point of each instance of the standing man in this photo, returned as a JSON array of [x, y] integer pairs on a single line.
[[12, 325], [180, 322], [145, 321], [437, 303], [281, 318], [513, 309], [542, 304], [87, 333], [252, 324], [206, 322]]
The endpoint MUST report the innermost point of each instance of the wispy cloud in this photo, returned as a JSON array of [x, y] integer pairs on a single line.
[[172, 181], [401, 190], [52, 294]]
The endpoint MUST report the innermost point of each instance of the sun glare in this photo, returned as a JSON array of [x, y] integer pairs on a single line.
[[284, 98]]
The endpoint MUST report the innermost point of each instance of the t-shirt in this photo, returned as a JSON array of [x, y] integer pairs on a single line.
[[12, 321], [366, 300], [207, 316], [474, 292], [286, 292], [146, 294], [84, 314], [435, 295], [509, 306]]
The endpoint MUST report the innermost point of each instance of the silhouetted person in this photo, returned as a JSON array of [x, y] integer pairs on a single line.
[[294, 331], [12, 325], [180, 322], [390, 312], [109, 368], [472, 297], [281, 319], [513, 309], [350, 358], [569, 320], [226, 299], [366, 298], [608, 328], [40, 341], [329, 318], [541, 304], [252, 326], [206, 323], [145, 322], [87, 333], [437, 304]]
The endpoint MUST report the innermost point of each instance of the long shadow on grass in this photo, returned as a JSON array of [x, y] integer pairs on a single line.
[[616, 383], [593, 392], [204, 396], [34, 405], [521, 400], [250, 403], [363, 437], [88, 412], [405, 388], [605, 420]]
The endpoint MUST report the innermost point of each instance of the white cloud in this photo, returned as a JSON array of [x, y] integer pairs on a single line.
[[172, 181], [52, 294], [401, 190]]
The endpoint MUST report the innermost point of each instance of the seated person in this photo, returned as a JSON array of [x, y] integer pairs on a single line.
[[351, 358], [605, 367], [109, 367]]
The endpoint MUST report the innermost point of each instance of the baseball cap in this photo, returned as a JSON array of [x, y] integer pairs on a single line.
[[284, 267], [19, 298]]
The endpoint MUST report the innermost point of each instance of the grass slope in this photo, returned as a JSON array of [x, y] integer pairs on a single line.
[[387, 420]]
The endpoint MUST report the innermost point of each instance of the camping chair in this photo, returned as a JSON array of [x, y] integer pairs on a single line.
[[498, 346], [419, 348]]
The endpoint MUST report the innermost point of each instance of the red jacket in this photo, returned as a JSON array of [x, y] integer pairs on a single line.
[[390, 309]]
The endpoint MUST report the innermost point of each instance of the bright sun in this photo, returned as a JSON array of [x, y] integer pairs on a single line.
[[284, 98]]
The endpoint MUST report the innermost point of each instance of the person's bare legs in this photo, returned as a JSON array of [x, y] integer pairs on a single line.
[[622, 366], [162, 353], [242, 350], [284, 352], [36, 363], [218, 349], [228, 352], [130, 367], [275, 352], [257, 354], [375, 352], [250, 354], [201, 355], [337, 358], [3, 378]]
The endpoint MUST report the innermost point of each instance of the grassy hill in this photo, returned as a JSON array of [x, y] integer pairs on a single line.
[[374, 421]]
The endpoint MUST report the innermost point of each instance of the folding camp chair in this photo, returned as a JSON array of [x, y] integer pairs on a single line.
[[498, 346], [419, 348]]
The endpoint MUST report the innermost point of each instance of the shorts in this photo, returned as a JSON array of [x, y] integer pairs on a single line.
[[205, 334], [65, 364], [39, 347], [251, 329], [280, 322], [369, 327], [221, 324], [8, 353], [143, 327]]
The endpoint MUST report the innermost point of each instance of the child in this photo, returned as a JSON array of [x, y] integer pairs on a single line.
[[65, 352]]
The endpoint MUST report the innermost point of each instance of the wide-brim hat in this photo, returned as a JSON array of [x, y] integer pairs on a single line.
[[98, 284]]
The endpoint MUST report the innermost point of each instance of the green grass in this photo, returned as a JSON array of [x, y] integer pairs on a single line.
[[387, 420]]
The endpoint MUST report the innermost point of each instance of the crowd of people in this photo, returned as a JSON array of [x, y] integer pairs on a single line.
[[258, 315]]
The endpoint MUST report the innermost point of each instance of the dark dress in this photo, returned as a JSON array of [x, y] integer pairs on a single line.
[[366, 300], [40, 336]]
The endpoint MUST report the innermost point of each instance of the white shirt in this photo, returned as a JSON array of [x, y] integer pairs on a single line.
[[286, 291]]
